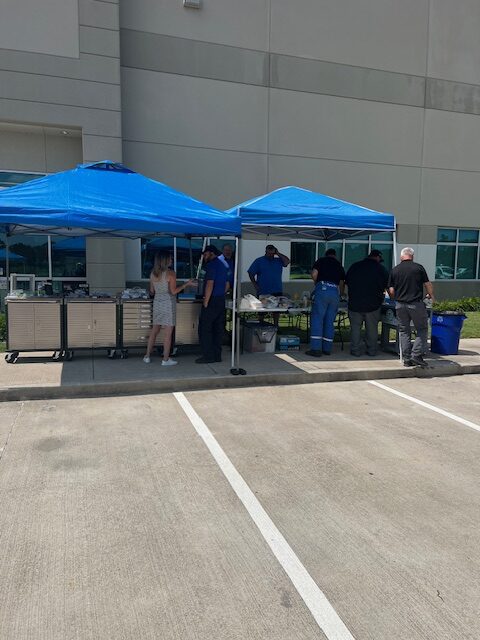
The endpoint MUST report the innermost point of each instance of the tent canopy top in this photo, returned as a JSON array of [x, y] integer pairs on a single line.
[[294, 212], [108, 199]]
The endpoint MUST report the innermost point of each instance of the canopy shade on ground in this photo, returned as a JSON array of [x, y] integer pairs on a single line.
[[295, 212], [107, 199]]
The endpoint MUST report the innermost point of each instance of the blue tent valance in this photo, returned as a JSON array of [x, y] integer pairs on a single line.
[[295, 212], [107, 199]]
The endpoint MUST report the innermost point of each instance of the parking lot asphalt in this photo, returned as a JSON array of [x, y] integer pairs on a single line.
[[319, 511]]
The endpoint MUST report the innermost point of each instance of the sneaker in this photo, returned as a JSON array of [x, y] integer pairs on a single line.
[[146, 360], [169, 363], [408, 363], [418, 361], [316, 353]]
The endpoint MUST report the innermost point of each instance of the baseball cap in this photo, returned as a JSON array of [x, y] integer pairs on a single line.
[[375, 253], [212, 248]]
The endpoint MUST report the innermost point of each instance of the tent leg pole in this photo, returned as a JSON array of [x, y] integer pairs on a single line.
[[190, 256], [236, 370], [400, 354], [234, 305], [7, 262]]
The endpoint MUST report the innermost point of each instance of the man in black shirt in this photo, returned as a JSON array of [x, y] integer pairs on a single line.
[[329, 278], [406, 284], [366, 281]]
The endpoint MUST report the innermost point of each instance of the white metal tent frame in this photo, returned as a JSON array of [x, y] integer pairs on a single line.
[[292, 233]]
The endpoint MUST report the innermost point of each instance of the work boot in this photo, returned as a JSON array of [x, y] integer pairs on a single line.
[[418, 361], [315, 353]]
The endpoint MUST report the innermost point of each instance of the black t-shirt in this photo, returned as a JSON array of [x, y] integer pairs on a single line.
[[407, 280], [367, 281], [329, 270]]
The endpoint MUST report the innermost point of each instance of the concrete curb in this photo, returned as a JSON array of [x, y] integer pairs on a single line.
[[143, 387]]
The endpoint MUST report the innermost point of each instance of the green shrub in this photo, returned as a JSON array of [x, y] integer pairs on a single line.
[[464, 304], [3, 327]]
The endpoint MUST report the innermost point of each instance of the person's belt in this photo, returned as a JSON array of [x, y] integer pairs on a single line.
[[328, 284]]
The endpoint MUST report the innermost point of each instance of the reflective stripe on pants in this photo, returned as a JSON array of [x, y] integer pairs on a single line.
[[324, 311]]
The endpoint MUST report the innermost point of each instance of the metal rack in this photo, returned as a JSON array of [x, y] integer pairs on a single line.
[[34, 324]]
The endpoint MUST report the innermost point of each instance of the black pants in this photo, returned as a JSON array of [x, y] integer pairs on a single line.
[[211, 327]]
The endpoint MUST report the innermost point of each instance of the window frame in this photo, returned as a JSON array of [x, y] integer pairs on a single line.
[[456, 244], [371, 240]]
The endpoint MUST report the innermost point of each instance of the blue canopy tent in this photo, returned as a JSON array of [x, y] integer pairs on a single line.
[[108, 199], [296, 213], [300, 213]]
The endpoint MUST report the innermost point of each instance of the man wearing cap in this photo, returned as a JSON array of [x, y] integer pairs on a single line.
[[405, 286], [212, 315], [329, 278], [366, 281]]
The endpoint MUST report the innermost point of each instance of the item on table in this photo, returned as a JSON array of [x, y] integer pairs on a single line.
[[135, 293]]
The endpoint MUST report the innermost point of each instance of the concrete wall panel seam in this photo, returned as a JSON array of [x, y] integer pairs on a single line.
[[62, 76]]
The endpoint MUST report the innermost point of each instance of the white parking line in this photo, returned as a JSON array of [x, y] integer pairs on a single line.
[[324, 614], [432, 407]]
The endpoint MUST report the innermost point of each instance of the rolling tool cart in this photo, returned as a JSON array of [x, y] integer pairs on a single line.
[[136, 323], [34, 324], [91, 323]]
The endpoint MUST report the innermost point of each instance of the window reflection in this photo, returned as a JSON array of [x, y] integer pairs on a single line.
[[150, 248], [27, 254], [68, 257], [188, 257]]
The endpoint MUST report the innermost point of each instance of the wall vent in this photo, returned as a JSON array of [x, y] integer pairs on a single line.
[[192, 4]]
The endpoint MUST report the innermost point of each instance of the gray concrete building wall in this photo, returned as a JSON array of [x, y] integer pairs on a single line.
[[373, 101], [60, 71]]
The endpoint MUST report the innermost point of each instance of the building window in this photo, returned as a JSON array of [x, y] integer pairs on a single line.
[[69, 257], [27, 254], [185, 254], [12, 178], [304, 254], [457, 254]]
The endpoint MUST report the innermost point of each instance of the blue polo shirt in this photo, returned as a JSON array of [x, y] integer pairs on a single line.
[[217, 271], [269, 274]]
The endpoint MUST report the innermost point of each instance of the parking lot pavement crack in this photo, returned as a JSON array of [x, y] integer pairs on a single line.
[[9, 434]]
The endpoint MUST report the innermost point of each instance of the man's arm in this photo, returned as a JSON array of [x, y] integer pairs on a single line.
[[314, 275], [253, 280], [391, 292], [208, 292], [429, 290], [283, 258], [341, 286]]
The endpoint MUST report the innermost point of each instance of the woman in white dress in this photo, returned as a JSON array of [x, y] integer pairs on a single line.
[[163, 284]]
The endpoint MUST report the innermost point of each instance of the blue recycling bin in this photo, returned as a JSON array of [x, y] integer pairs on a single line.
[[446, 330]]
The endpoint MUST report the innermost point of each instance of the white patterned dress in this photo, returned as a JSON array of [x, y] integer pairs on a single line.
[[164, 304]]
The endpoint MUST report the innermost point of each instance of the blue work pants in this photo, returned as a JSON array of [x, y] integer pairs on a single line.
[[324, 312]]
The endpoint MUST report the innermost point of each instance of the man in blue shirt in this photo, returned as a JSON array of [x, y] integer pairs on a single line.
[[212, 315], [266, 272]]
